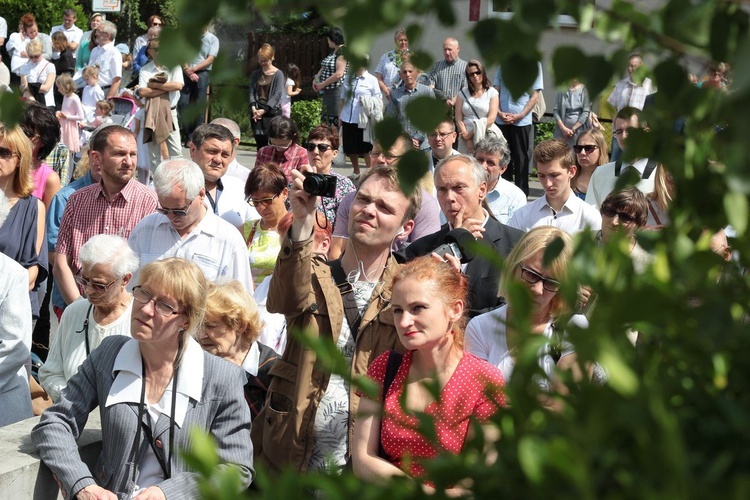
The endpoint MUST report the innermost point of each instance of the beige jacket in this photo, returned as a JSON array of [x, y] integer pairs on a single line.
[[303, 289]]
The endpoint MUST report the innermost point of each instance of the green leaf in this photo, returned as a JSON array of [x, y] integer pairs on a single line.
[[532, 455], [519, 74], [387, 131], [568, 63], [735, 208], [552, 251], [421, 59], [411, 168], [621, 376], [426, 113], [11, 108]]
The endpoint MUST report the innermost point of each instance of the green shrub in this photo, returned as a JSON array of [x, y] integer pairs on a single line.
[[306, 115], [544, 131], [48, 13]]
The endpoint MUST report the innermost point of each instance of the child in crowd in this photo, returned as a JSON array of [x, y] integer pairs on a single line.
[[70, 114], [92, 92], [65, 62], [101, 117], [292, 89], [127, 65]]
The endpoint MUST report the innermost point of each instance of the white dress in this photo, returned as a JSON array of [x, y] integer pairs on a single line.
[[37, 73]]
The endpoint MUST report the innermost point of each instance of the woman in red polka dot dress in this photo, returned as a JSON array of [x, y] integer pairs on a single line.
[[428, 303]]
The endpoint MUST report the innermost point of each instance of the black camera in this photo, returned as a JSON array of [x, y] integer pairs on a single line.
[[320, 184]]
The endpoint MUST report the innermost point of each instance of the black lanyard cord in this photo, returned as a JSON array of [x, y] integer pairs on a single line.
[[85, 330]]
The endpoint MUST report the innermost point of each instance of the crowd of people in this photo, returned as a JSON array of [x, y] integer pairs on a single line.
[[154, 277]]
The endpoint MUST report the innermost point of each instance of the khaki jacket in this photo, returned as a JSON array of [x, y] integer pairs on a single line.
[[311, 302]]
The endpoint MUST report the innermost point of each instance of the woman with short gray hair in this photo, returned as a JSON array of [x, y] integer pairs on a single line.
[[107, 265]]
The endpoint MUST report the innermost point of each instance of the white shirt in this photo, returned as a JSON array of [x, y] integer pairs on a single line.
[[359, 86], [37, 72], [3, 28], [126, 388], [89, 98], [274, 324], [73, 35], [68, 350], [575, 215], [109, 60], [14, 45], [236, 169], [230, 203], [505, 199], [150, 69], [603, 181], [486, 339], [214, 244]]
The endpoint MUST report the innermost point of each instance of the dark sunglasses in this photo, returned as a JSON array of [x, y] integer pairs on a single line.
[[178, 212], [321, 147], [622, 217], [6, 154], [532, 277], [589, 148], [474, 73]]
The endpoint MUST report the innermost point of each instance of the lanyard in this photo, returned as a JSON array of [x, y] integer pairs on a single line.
[[166, 467], [85, 330]]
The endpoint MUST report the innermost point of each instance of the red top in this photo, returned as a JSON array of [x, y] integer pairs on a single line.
[[474, 390], [292, 158]]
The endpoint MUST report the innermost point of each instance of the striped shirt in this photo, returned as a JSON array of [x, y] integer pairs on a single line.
[[448, 78], [292, 158], [628, 93], [89, 213], [400, 98]]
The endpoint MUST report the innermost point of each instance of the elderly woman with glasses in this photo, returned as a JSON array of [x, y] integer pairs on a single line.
[[266, 190], [151, 390], [495, 336], [283, 147], [107, 265]]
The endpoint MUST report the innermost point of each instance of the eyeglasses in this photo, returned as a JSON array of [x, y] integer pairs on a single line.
[[443, 135], [622, 217], [388, 156], [589, 148], [178, 212], [532, 277], [144, 298], [282, 147], [474, 73], [7, 154], [99, 287], [263, 202], [321, 147]]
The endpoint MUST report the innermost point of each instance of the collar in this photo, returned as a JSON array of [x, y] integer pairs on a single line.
[[252, 361], [126, 192], [206, 225], [106, 46], [571, 199], [126, 387]]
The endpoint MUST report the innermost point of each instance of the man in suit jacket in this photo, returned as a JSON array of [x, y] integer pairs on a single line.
[[461, 184]]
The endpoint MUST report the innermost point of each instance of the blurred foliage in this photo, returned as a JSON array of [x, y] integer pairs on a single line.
[[306, 115], [544, 131], [674, 419], [48, 13]]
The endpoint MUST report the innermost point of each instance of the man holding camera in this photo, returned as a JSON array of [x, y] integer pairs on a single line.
[[461, 184], [307, 421]]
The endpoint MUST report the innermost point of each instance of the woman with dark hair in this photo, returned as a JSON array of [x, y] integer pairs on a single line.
[[428, 302], [322, 149], [266, 190], [19, 41], [329, 78], [571, 112], [41, 126], [142, 40], [150, 391], [266, 90], [591, 153], [476, 107], [283, 148], [623, 213]]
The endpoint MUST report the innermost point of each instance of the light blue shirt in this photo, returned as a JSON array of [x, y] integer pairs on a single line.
[[510, 105]]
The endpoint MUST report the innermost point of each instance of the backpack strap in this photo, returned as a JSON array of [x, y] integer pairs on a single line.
[[339, 276], [391, 369]]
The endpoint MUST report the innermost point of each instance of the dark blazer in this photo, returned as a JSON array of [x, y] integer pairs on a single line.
[[222, 411], [483, 274], [257, 385]]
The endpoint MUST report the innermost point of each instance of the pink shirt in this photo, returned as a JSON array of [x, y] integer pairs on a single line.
[[40, 180]]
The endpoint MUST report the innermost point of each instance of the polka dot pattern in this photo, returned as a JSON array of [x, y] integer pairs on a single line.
[[474, 390]]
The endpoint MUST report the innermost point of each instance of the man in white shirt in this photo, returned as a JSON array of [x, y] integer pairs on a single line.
[[149, 90], [235, 168], [212, 147], [108, 58], [72, 32], [183, 227], [441, 142], [559, 207], [503, 197], [604, 177]]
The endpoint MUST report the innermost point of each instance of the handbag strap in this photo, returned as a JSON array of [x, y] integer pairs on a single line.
[[653, 212], [339, 276], [391, 369], [469, 103]]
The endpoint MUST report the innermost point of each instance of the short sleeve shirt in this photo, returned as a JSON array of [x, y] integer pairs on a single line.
[[510, 105], [209, 47]]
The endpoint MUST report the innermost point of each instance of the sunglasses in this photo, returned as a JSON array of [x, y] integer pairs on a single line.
[[7, 154], [263, 202], [589, 148], [99, 287], [532, 277], [178, 212], [622, 217], [281, 147], [473, 73], [311, 146]]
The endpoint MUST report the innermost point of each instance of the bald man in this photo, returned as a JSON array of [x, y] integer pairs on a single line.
[[448, 76]]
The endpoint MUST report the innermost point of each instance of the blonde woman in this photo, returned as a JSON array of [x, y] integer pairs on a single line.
[[38, 76], [591, 153], [660, 198]]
